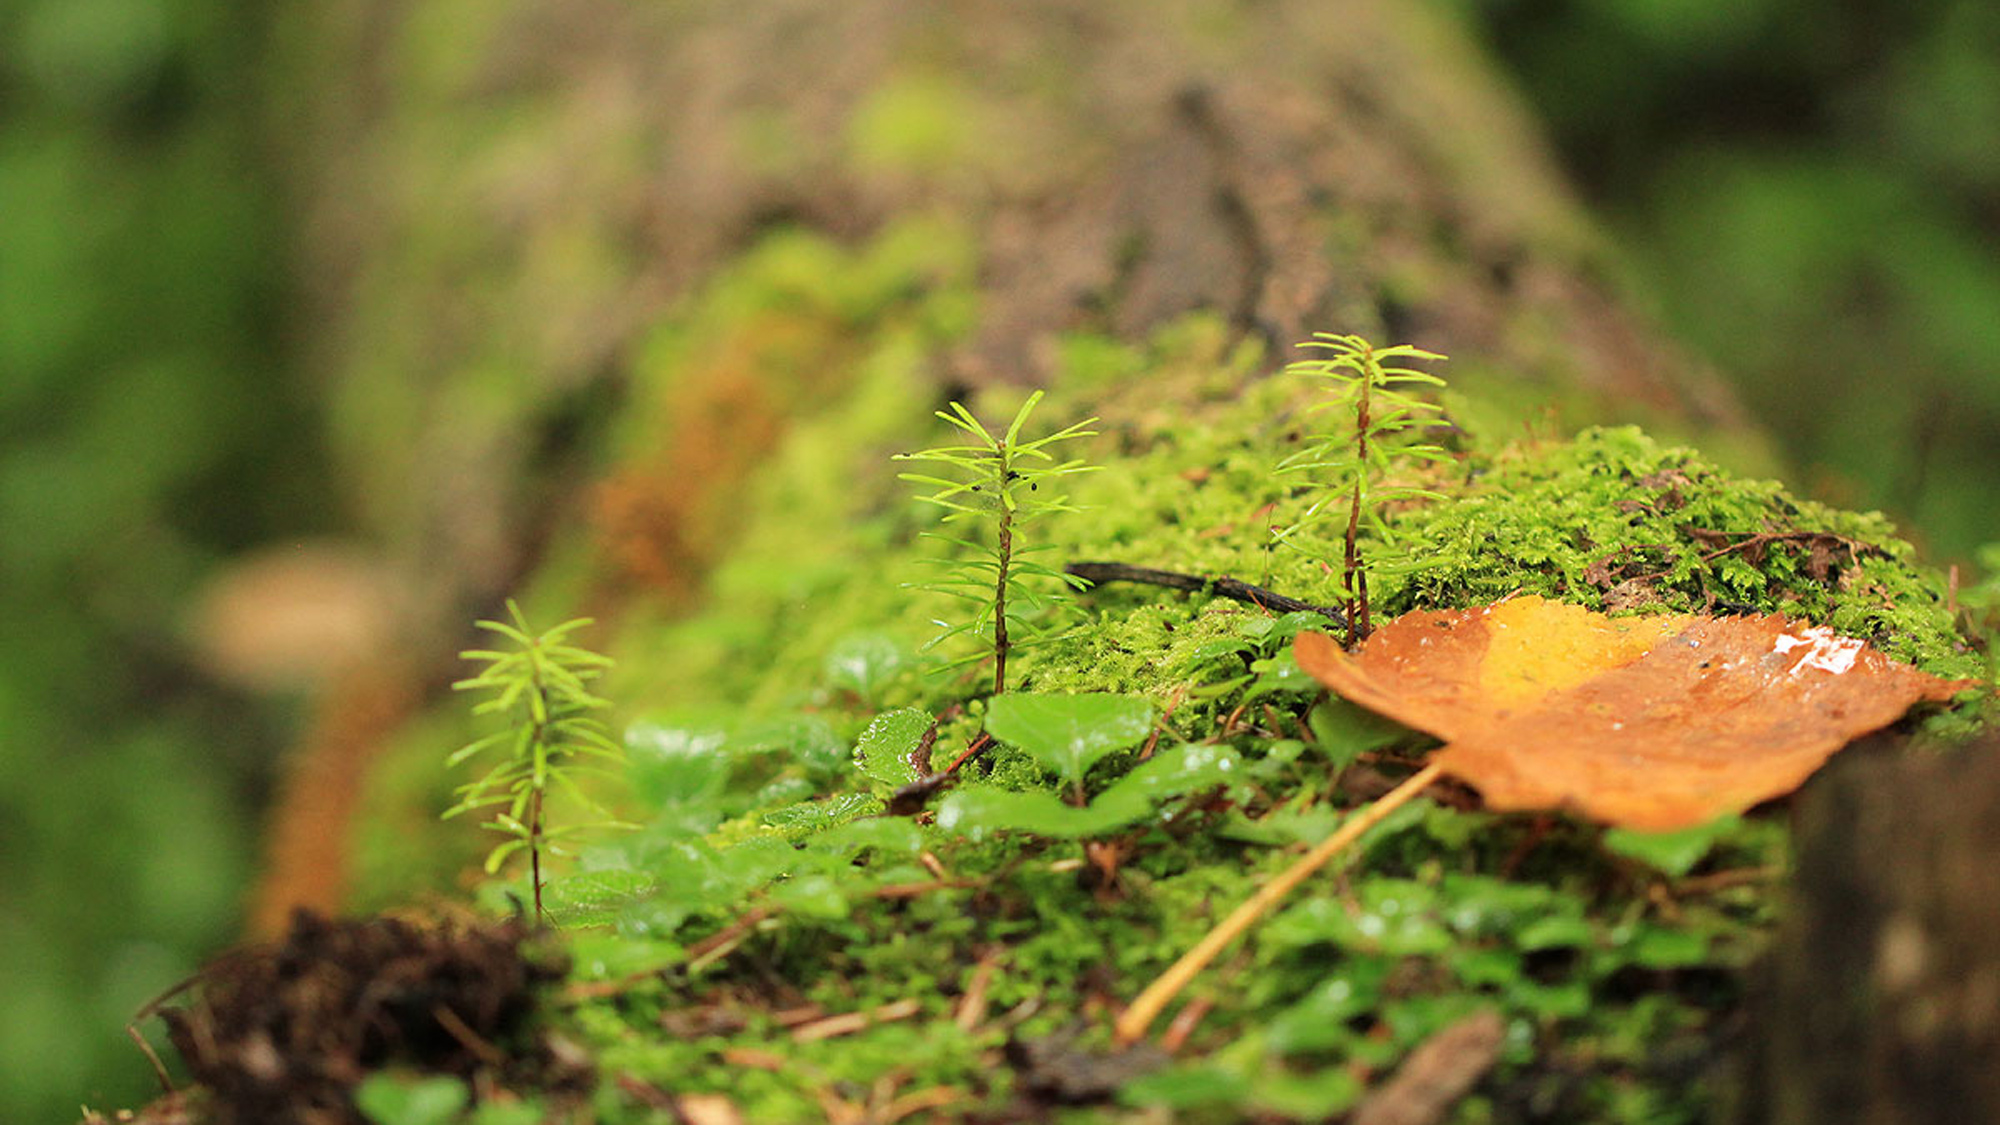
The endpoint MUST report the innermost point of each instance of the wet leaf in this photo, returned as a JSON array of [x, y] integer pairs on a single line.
[[1069, 733], [1343, 731], [808, 817], [594, 898], [1319, 1022], [976, 810], [884, 752], [806, 739], [1653, 723], [1556, 931]]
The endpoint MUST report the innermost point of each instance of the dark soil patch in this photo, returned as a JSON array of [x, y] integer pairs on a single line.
[[284, 1033]]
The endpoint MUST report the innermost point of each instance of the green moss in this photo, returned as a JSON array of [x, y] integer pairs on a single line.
[[916, 123], [1613, 520]]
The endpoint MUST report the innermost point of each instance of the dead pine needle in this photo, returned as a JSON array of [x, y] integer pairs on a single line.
[[1132, 1024]]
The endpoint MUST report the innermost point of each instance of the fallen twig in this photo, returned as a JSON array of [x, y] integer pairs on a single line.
[[972, 1005], [847, 1023], [1098, 573], [1437, 1074]]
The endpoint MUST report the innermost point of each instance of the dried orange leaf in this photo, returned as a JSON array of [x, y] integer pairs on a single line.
[[1650, 723]]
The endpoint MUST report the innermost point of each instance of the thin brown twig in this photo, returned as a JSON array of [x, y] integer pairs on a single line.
[[1184, 1023], [1723, 880], [972, 1005], [980, 743], [847, 1023], [909, 1105], [1132, 1024], [1098, 573], [152, 1056], [920, 757], [1160, 724], [651, 1096], [718, 944], [467, 1038]]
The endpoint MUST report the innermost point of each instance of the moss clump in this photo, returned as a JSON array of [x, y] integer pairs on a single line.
[[1613, 521]]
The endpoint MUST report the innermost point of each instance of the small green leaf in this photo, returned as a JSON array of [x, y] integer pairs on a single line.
[[808, 817], [811, 896], [1557, 931], [395, 1099], [884, 751], [1344, 731], [594, 898], [509, 1113], [671, 766], [1281, 673], [864, 663], [1195, 1086], [608, 955], [1671, 853], [1178, 769], [1562, 1000], [1655, 947], [977, 811], [1069, 733], [893, 836], [1479, 906]]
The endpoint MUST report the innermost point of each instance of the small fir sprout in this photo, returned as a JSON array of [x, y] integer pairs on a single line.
[[997, 484], [538, 683], [1381, 423]]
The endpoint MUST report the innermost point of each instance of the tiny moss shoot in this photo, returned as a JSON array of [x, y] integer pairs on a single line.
[[1355, 462], [997, 483], [540, 685]]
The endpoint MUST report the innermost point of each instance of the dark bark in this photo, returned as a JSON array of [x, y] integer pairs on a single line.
[[1880, 1003]]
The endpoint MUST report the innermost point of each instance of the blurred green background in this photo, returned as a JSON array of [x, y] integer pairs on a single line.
[[1811, 194], [148, 429]]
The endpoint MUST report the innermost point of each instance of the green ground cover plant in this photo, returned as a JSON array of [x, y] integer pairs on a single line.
[[1353, 464]]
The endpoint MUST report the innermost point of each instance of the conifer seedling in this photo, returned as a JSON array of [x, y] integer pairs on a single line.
[[997, 485], [540, 684], [1354, 459]]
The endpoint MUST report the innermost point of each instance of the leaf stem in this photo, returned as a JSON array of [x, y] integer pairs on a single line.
[[1356, 574], [1000, 581], [1132, 1024]]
